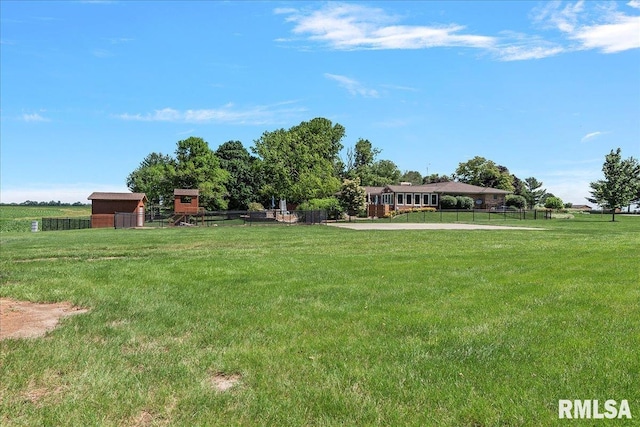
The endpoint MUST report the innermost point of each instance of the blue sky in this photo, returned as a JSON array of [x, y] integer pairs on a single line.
[[89, 88]]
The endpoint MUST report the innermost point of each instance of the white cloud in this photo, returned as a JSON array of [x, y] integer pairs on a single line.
[[634, 3], [621, 34], [229, 113], [591, 136], [593, 25], [35, 117], [353, 26], [352, 86], [101, 53], [584, 25], [523, 52]]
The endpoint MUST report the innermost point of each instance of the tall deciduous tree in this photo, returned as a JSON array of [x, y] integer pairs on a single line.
[[414, 177], [198, 167], [300, 163], [362, 164], [484, 173], [621, 184], [242, 186], [435, 178], [384, 172], [154, 177]]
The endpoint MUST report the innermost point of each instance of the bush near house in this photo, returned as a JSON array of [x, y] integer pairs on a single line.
[[464, 202], [513, 200], [448, 202]]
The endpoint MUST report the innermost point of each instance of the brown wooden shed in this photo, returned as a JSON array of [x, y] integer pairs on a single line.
[[186, 201], [104, 206]]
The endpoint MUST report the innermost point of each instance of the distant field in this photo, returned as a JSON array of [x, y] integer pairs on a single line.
[[18, 218], [324, 326]]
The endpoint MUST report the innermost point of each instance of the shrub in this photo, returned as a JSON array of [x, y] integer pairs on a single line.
[[515, 201], [553, 203], [464, 202], [329, 204], [255, 207], [448, 202]]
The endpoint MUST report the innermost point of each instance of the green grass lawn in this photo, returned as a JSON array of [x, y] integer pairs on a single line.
[[325, 326], [18, 218]]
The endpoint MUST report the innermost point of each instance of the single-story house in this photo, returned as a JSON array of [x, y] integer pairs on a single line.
[[104, 206], [581, 207], [381, 200]]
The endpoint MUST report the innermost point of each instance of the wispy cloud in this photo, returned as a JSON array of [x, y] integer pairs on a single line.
[[256, 115], [101, 53], [35, 117], [354, 87], [118, 40], [349, 26], [592, 135], [521, 47], [593, 25]]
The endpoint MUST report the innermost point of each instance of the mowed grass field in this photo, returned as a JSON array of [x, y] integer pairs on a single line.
[[18, 218], [325, 326]]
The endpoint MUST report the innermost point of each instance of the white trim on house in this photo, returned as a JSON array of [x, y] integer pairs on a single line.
[[428, 195]]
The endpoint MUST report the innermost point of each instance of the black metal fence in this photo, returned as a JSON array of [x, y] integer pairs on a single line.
[[54, 224], [227, 218], [466, 215]]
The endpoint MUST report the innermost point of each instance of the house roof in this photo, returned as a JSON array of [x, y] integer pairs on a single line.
[[450, 187], [97, 195], [186, 192], [373, 190]]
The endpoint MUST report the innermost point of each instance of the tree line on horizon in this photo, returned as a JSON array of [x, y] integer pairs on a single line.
[[301, 164]]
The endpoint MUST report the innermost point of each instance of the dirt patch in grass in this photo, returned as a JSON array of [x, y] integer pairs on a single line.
[[23, 319], [223, 382]]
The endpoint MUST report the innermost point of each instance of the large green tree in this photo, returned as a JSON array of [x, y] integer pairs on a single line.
[[154, 177], [621, 184], [300, 163], [414, 177], [362, 165], [435, 178], [198, 167], [484, 173], [243, 183], [534, 192]]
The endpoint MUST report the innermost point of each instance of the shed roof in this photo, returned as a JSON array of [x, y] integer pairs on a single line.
[[450, 187], [186, 192], [97, 195]]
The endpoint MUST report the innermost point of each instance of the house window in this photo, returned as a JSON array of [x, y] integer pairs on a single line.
[[185, 200], [416, 199], [386, 199], [409, 198], [425, 199], [434, 200], [400, 199]]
